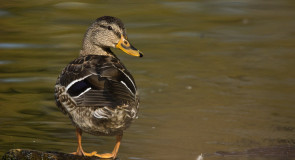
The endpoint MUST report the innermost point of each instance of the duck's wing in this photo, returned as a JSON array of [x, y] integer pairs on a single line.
[[98, 81]]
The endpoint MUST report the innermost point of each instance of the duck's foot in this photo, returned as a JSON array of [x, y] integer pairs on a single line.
[[112, 155], [94, 153], [107, 155], [82, 153]]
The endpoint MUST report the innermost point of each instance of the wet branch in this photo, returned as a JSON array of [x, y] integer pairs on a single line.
[[26, 154]]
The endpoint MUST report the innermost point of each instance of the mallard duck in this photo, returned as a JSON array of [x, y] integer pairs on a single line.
[[96, 90]]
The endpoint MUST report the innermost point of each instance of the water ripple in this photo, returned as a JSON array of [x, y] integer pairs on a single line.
[[5, 62], [18, 45], [184, 6], [187, 34], [135, 158], [72, 5], [23, 79], [3, 13]]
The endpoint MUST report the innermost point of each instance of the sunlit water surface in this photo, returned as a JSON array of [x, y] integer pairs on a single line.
[[216, 75]]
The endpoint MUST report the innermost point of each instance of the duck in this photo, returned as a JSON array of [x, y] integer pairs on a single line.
[[96, 91]]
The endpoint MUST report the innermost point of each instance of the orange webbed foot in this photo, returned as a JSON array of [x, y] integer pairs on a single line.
[[82, 153]]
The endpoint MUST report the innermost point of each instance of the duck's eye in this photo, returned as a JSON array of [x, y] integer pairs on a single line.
[[110, 28]]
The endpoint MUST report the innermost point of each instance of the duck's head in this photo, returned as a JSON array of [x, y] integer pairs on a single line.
[[107, 32]]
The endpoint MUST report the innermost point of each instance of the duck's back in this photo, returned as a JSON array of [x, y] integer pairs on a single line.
[[97, 91]]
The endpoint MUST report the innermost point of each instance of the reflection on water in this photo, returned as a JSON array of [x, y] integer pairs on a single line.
[[15, 46], [216, 76]]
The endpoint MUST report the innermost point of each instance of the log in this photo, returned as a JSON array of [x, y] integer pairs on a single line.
[[27, 154]]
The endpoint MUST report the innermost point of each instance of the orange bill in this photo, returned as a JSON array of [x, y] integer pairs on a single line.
[[126, 47]]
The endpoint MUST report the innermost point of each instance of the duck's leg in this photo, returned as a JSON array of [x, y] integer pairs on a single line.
[[80, 151], [112, 155]]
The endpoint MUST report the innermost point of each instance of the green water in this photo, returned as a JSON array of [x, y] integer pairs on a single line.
[[216, 75]]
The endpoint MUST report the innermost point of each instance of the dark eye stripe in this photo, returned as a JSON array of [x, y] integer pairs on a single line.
[[107, 27], [102, 26], [117, 34]]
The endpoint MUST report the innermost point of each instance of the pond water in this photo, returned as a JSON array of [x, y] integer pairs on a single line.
[[216, 75]]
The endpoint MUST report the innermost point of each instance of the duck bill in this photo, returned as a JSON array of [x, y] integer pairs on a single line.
[[126, 47]]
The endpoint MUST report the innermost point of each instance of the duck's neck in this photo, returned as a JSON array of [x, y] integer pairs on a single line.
[[89, 48]]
